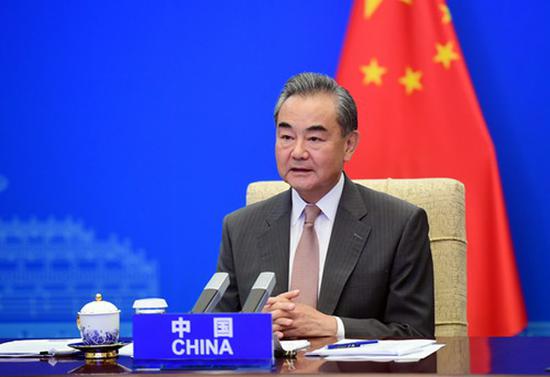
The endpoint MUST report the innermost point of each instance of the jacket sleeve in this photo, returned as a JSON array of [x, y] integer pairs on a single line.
[[230, 301]]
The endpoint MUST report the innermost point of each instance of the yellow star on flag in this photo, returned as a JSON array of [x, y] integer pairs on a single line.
[[373, 73], [446, 17], [411, 80], [445, 54], [408, 2], [370, 7]]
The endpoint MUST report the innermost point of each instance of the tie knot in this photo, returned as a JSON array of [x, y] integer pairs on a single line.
[[311, 212]]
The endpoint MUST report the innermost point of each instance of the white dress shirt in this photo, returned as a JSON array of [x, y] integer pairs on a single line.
[[328, 205]]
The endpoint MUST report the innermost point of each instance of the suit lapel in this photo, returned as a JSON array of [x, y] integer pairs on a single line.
[[273, 243], [348, 238]]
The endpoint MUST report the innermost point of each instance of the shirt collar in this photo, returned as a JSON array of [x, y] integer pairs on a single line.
[[328, 203]]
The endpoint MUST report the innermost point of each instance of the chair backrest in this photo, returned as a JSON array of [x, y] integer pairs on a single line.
[[443, 201]]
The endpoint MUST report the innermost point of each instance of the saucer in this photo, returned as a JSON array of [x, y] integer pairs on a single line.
[[99, 351]]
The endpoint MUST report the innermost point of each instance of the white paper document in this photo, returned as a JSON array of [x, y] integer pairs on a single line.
[[294, 345], [38, 347], [408, 358], [407, 350], [127, 350]]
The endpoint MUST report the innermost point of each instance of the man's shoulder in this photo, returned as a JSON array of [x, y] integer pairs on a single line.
[[268, 207]]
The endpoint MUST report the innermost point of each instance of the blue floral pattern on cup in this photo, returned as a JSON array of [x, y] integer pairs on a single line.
[[91, 336]]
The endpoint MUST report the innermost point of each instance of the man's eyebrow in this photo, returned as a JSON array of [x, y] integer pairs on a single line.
[[317, 127], [284, 125]]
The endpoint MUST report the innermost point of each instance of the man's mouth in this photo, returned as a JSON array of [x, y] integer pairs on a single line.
[[300, 170]]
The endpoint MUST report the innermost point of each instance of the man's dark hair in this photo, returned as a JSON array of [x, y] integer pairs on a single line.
[[306, 84]]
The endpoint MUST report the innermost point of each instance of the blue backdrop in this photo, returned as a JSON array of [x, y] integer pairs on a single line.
[[128, 129]]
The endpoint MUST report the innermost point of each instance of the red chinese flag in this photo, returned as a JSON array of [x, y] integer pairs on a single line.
[[419, 117]]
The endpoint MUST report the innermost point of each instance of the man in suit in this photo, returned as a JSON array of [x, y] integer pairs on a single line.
[[349, 261]]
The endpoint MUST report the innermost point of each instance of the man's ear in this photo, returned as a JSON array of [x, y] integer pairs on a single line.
[[352, 141]]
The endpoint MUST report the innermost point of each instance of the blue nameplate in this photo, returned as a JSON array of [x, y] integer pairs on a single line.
[[207, 340]]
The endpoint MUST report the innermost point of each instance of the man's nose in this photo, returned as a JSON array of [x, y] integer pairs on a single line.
[[299, 151]]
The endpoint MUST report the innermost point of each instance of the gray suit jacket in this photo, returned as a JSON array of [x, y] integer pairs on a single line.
[[378, 274]]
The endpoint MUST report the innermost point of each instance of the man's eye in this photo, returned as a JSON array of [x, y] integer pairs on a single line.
[[286, 137], [315, 139]]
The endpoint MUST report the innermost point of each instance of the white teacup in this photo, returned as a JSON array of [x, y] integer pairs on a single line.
[[99, 322]]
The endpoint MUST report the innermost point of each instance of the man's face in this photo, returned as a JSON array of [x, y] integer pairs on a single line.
[[310, 148]]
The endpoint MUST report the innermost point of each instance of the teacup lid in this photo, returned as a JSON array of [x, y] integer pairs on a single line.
[[99, 306], [150, 303]]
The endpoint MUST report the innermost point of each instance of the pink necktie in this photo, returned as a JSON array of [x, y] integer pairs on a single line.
[[305, 269]]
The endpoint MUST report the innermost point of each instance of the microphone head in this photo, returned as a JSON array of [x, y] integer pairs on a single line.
[[259, 293], [266, 280], [218, 281], [212, 293]]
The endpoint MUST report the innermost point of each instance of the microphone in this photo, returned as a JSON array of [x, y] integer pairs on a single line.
[[260, 292], [212, 293]]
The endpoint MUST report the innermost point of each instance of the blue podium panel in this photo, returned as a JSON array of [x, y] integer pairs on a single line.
[[207, 340]]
